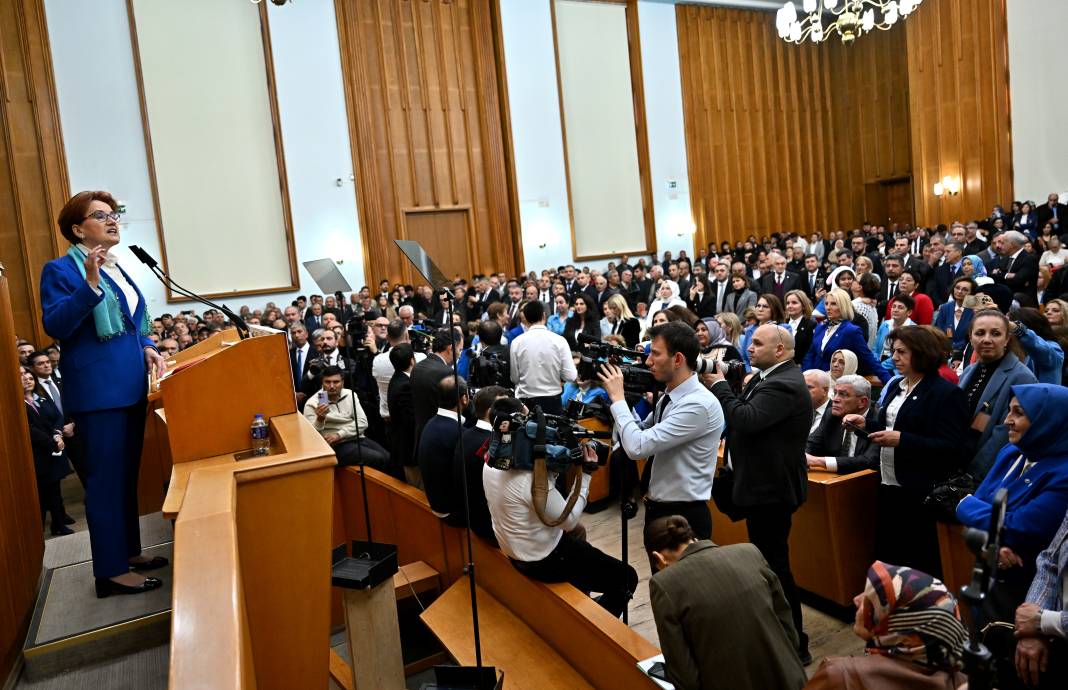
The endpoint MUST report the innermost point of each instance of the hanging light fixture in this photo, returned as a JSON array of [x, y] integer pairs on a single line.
[[850, 19]]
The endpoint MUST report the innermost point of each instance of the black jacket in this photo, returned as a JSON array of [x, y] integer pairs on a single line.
[[803, 338], [425, 379], [45, 422], [790, 281], [766, 436], [826, 441], [471, 464], [437, 446], [401, 420]]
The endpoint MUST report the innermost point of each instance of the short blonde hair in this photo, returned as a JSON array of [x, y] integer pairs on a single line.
[[620, 303], [844, 302]]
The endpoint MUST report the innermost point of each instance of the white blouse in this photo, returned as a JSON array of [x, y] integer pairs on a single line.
[[111, 267]]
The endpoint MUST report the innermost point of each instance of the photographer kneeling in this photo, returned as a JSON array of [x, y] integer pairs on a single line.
[[337, 415], [552, 553], [680, 437]]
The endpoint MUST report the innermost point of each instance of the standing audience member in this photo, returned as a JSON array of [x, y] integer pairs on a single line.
[[702, 589], [837, 332], [426, 378], [47, 443], [540, 362], [403, 463], [437, 446], [767, 427], [798, 320]]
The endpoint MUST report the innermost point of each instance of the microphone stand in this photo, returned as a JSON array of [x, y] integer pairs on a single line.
[[145, 258]]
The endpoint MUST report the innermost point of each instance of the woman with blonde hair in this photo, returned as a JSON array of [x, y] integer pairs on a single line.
[[732, 327], [798, 319], [618, 320], [837, 332]]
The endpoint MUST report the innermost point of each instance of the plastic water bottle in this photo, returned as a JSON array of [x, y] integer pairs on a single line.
[[261, 442]]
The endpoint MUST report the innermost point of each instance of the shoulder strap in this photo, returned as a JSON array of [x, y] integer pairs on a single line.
[[540, 486]]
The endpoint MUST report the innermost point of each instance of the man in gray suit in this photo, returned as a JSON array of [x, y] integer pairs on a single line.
[[720, 613]]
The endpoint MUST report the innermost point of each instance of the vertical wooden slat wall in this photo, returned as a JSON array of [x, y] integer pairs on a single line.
[[422, 82], [959, 107], [33, 167], [783, 137]]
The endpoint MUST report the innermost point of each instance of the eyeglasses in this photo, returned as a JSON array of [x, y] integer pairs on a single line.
[[103, 215]]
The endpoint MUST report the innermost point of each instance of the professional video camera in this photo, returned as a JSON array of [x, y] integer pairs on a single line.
[[733, 371], [490, 368], [598, 409], [420, 338], [637, 379], [519, 439]]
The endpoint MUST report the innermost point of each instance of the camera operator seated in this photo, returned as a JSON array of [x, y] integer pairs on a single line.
[[914, 636], [326, 344], [437, 446], [540, 360], [341, 422], [553, 553], [382, 369], [680, 437], [834, 447], [720, 613]]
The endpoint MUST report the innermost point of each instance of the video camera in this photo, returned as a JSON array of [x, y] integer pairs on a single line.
[[490, 368], [420, 338], [637, 379], [519, 439]]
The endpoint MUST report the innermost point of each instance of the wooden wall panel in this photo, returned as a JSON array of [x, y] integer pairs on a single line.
[[423, 85], [21, 541], [33, 169], [784, 137], [959, 107]]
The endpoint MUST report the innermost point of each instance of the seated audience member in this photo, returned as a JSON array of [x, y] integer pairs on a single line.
[[341, 422], [843, 363], [470, 459], [798, 320], [909, 284], [1042, 620], [953, 317], [1033, 468], [403, 463], [48, 445], [740, 298], [919, 432], [714, 344], [1045, 358], [768, 309], [911, 624], [703, 589], [553, 553], [437, 446], [837, 332], [819, 387], [987, 385], [835, 448], [618, 320], [582, 390], [900, 315]]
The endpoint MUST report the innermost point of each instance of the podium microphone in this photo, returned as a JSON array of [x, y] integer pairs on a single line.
[[145, 258]]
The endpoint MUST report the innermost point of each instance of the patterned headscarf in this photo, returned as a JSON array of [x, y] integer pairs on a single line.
[[911, 616]]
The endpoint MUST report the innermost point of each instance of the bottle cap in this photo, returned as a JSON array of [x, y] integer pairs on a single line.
[[259, 416]]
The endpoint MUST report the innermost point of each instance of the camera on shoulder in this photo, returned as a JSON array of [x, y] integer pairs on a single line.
[[637, 379]]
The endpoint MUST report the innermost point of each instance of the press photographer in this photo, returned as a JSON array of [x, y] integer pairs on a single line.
[[535, 525], [680, 437]]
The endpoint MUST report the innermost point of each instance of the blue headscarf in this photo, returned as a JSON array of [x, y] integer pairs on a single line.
[[1045, 405], [978, 265]]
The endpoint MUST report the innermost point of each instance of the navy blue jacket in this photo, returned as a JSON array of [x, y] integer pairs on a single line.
[[847, 337]]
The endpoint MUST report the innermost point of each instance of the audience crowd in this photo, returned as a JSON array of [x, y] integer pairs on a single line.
[[935, 356]]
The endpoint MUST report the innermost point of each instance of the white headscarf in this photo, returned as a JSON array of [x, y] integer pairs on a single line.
[[659, 303]]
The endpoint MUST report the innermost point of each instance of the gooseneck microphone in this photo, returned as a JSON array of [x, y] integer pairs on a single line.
[[161, 275]]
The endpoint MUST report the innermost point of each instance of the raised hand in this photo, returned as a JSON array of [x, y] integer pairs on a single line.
[[93, 261]]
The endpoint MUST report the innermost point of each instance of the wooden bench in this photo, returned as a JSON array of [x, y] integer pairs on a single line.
[[595, 645]]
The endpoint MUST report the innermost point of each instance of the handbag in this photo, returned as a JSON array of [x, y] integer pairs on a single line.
[[723, 495], [944, 497]]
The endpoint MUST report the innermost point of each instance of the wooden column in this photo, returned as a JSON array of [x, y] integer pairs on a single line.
[[33, 170], [374, 637]]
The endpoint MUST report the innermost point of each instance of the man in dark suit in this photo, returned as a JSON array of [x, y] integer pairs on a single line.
[[778, 281], [300, 355], [314, 320], [1016, 269], [835, 448], [425, 379], [643, 286], [437, 448], [402, 415], [602, 292], [813, 279], [859, 246], [1053, 211], [767, 428], [469, 461], [582, 284], [719, 285]]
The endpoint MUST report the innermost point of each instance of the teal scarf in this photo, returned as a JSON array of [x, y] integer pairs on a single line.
[[107, 314]]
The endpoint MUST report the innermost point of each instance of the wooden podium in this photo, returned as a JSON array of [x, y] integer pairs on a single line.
[[251, 596]]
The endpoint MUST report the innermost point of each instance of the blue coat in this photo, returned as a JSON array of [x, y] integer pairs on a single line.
[[97, 375], [998, 393], [944, 322], [1038, 499], [847, 337]]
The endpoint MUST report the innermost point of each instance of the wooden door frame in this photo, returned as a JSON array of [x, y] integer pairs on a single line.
[[469, 238]]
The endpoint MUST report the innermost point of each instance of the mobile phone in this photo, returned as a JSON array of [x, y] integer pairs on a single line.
[[324, 398], [863, 433]]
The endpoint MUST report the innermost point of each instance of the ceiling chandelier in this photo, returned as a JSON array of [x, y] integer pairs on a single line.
[[848, 18]]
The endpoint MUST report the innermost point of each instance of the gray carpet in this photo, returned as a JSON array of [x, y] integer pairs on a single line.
[[144, 670], [74, 548]]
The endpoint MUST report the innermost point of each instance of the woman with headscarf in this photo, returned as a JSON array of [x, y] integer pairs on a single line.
[[973, 267], [838, 332], [667, 295], [1033, 468], [914, 635], [714, 343], [843, 363]]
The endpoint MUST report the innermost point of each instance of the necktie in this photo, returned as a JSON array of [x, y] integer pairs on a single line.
[[812, 282], [54, 393], [299, 369], [721, 292], [647, 471], [847, 439]]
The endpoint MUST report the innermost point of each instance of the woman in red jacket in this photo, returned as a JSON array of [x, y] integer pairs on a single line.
[[923, 312]]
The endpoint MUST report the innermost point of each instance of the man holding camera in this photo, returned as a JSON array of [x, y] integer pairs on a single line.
[[768, 427], [540, 360], [551, 553], [679, 439]]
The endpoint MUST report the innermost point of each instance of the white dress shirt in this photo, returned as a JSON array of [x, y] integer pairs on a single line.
[[519, 531], [817, 416], [685, 442], [886, 454], [382, 370], [539, 362]]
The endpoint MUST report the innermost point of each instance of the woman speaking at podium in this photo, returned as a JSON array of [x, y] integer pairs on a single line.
[[100, 317]]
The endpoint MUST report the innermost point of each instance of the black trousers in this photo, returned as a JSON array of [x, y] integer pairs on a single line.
[[550, 404], [695, 512], [351, 452], [769, 531], [588, 569], [906, 532], [50, 496]]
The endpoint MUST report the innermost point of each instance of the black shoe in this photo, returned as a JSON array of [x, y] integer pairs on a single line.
[[106, 587], [806, 656], [155, 562], [68, 520], [61, 530]]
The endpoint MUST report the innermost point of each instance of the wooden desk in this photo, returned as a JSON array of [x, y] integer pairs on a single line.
[[832, 542]]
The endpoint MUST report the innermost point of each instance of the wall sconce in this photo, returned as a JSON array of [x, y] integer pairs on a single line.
[[948, 185]]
